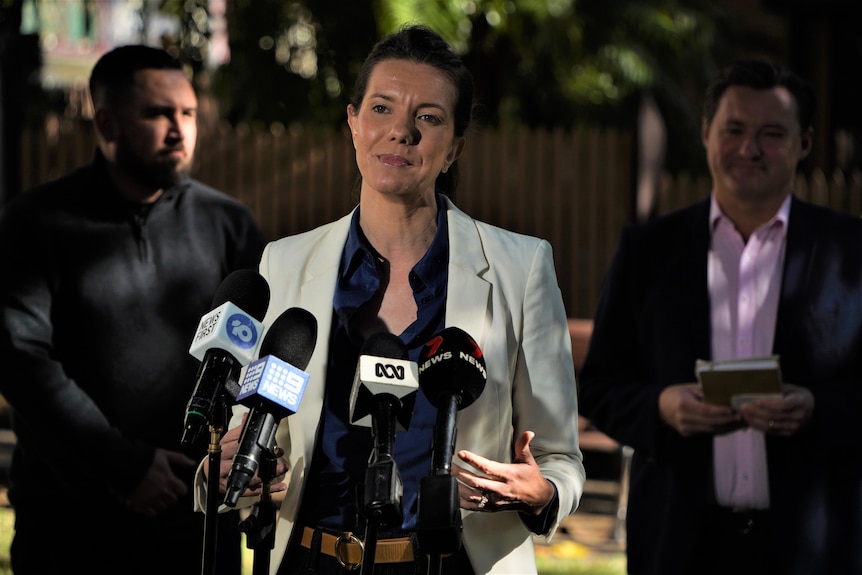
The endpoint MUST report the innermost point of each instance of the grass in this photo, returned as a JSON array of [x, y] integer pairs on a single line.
[[564, 558], [7, 520], [568, 557]]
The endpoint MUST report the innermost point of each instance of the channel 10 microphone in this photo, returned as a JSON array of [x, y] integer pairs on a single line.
[[383, 397], [272, 389], [226, 339], [452, 376]]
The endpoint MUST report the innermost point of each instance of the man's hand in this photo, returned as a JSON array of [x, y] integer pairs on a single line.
[[783, 415], [160, 488], [682, 407]]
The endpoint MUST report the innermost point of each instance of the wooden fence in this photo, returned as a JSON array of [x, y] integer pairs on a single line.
[[840, 191], [573, 188]]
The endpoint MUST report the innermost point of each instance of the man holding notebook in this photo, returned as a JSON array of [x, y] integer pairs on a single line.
[[771, 485]]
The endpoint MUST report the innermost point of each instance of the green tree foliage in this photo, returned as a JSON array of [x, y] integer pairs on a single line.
[[543, 64], [193, 40], [566, 63], [291, 61]]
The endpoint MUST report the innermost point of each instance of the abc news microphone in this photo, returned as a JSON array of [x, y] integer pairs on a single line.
[[272, 389], [382, 397], [452, 376], [227, 338]]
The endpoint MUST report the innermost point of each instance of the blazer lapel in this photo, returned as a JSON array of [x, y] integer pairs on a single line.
[[316, 294], [469, 309], [799, 249], [693, 280]]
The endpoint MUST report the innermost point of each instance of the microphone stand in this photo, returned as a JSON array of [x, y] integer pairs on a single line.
[[259, 526], [438, 523], [383, 487], [216, 428], [370, 549], [438, 526]]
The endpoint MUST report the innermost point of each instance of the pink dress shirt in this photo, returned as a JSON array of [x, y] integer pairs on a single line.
[[744, 286]]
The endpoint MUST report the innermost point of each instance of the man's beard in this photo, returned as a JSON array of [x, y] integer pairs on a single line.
[[159, 173]]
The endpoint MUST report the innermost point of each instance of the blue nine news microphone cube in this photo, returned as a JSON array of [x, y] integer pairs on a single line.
[[229, 328], [275, 383]]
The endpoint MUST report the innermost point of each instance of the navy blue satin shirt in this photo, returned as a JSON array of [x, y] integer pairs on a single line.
[[342, 450]]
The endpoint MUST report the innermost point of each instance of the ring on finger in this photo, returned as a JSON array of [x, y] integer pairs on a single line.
[[483, 501]]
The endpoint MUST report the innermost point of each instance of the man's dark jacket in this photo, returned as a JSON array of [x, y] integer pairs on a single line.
[[653, 322], [100, 300]]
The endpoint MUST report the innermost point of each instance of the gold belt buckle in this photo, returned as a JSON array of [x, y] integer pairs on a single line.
[[342, 540]]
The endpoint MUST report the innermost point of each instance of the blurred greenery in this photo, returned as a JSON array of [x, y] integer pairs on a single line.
[[540, 64], [543, 64]]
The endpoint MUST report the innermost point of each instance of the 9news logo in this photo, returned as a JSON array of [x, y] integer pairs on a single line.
[[241, 331]]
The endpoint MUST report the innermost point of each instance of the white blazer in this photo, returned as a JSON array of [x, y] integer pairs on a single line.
[[502, 291]]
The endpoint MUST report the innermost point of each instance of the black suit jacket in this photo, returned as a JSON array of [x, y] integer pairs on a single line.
[[651, 324]]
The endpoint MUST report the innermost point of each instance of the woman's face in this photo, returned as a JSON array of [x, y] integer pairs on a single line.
[[404, 132]]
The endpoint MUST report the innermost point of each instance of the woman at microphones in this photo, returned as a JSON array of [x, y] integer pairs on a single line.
[[480, 313]]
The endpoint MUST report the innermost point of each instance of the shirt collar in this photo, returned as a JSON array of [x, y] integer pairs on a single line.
[[430, 273], [716, 216]]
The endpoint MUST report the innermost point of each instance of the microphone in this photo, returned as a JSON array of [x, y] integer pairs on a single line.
[[452, 376], [382, 397], [384, 374], [226, 339], [272, 389]]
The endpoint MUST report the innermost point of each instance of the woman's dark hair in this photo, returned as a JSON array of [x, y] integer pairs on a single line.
[[419, 43], [762, 75]]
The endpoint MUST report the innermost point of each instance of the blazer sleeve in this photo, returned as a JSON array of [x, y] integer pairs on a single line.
[[544, 391]]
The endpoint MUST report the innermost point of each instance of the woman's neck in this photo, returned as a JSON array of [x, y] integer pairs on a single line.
[[400, 232]]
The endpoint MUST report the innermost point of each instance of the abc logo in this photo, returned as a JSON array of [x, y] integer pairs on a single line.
[[389, 371], [241, 330]]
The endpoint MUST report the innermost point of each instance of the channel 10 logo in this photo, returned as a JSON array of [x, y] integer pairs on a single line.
[[241, 331]]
